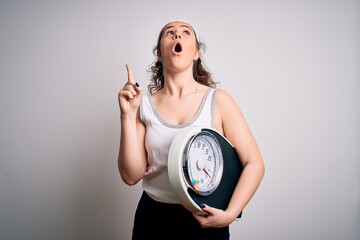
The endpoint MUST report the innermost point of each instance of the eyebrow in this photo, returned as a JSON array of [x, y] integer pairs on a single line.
[[170, 26]]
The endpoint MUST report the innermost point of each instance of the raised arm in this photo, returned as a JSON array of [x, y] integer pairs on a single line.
[[132, 155]]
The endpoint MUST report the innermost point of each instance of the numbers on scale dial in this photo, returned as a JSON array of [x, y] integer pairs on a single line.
[[204, 164]]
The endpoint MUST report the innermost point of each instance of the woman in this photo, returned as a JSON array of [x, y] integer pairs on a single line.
[[181, 93]]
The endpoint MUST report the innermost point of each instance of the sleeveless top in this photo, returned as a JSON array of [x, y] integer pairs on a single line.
[[158, 138]]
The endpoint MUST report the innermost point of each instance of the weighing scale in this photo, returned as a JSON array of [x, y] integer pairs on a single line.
[[203, 167]]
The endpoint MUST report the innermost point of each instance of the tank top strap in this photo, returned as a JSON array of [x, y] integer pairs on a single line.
[[206, 112]]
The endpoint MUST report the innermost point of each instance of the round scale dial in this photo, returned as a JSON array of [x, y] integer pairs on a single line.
[[203, 167], [203, 163]]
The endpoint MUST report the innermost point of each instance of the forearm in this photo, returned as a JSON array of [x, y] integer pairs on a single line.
[[248, 184], [131, 162]]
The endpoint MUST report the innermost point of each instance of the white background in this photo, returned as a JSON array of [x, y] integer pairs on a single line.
[[292, 66]]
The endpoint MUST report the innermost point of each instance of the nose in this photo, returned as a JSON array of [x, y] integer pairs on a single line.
[[177, 36]]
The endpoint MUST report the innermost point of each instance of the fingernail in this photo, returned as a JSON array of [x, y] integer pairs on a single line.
[[202, 205], [136, 84]]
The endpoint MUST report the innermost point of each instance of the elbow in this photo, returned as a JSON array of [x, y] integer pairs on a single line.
[[131, 174], [130, 178], [262, 168], [130, 181], [258, 167]]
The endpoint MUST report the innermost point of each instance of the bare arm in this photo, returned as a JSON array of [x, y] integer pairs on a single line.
[[132, 155], [237, 131], [231, 122]]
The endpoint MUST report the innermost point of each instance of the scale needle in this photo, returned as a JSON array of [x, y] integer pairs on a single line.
[[206, 172]]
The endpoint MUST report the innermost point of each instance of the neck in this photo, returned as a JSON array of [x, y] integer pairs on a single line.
[[180, 88], [179, 84]]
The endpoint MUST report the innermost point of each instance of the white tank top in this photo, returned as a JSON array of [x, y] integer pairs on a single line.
[[158, 137]]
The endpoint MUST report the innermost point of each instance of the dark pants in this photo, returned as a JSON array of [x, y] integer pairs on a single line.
[[156, 220]]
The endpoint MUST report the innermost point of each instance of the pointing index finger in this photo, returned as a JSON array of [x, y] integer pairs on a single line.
[[130, 74]]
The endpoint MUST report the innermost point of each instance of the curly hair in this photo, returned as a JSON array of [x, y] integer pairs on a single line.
[[200, 72]]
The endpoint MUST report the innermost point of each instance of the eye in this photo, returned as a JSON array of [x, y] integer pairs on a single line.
[[187, 32], [169, 33]]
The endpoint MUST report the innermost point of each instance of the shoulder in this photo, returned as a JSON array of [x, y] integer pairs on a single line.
[[227, 111], [145, 105], [223, 98], [144, 99]]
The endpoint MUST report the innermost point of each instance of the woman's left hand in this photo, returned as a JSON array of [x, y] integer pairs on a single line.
[[215, 218]]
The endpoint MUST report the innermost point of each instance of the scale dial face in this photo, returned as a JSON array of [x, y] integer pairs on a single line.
[[203, 163]]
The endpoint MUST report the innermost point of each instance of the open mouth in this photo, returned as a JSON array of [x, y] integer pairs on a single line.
[[178, 48]]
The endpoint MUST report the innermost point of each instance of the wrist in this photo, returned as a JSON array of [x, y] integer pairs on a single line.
[[127, 117], [233, 214]]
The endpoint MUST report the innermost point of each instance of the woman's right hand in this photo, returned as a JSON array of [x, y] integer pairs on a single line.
[[130, 95]]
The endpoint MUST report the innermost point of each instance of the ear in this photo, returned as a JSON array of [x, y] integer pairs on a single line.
[[197, 55], [158, 54]]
